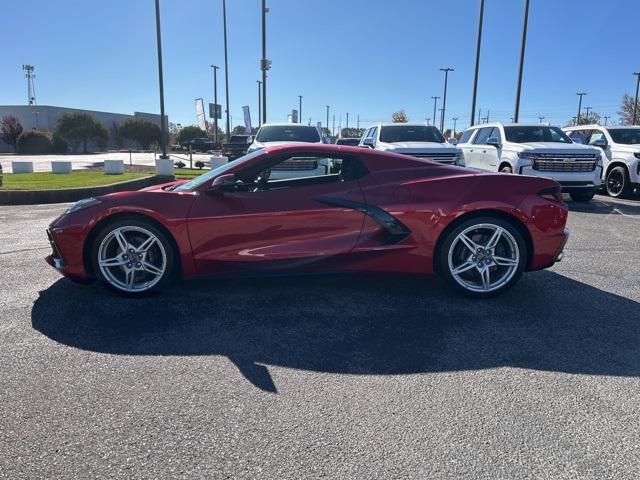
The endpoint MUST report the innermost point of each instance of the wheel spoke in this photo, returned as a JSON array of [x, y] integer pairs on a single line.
[[148, 267], [122, 241], [468, 243], [463, 267], [146, 245], [113, 262], [505, 262], [130, 277], [485, 275], [493, 241]]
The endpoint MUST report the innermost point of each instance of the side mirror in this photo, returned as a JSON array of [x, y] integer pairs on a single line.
[[221, 184], [601, 143], [368, 142], [494, 142], [453, 141]]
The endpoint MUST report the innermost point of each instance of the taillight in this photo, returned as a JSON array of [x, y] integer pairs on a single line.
[[552, 193]]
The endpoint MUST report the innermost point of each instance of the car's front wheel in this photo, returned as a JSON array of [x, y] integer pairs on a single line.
[[483, 256], [618, 183], [132, 257]]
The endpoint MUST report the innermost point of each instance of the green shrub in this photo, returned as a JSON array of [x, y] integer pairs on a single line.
[[59, 144], [35, 142], [200, 164], [180, 164]]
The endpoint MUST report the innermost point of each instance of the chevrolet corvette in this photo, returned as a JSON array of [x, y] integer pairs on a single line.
[[370, 211]]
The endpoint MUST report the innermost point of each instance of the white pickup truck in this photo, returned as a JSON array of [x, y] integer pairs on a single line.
[[537, 150], [415, 139]]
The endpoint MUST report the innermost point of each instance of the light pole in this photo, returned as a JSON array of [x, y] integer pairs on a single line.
[[226, 65], [435, 103], [264, 64], [586, 115], [215, 103], [516, 113], [455, 120], [635, 104], [358, 122], [347, 121], [475, 76], [333, 127], [327, 124], [580, 94], [163, 126], [259, 106], [446, 71], [540, 119], [606, 119], [299, 108]]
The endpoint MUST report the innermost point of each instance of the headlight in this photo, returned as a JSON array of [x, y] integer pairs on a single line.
[[526, 155], [637, 154], [84, 203], [599, 159], [460, 158]]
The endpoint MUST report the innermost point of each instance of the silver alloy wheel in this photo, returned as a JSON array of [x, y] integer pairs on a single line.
[[132, 259], [483, 257]]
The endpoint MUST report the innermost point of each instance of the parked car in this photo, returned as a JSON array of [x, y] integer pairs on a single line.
[[381, 212], [621, 154], [274, 134], [538, 150], [351, 142], [415, 139], [199, 145], [237, 146]]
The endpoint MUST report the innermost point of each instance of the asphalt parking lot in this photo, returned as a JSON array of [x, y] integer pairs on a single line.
[[325, 377]]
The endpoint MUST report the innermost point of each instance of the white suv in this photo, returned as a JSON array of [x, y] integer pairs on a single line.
[[538, 150], [621, 148], [415, 139], [271, 134]]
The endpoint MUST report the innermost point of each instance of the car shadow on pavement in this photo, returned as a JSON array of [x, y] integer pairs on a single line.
[[355, 324], [607, 206]]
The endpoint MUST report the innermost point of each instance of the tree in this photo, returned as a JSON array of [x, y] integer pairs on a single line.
[[141, 131], [189, 133], [351, 132], [626, 110], [239, 130], [78, 128], [591, 119], [35, 142], [399, 117], [10, 130]]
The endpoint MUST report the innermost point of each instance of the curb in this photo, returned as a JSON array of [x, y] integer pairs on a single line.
[[63, 195]]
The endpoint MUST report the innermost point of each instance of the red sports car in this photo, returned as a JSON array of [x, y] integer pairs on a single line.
[[371, 211]]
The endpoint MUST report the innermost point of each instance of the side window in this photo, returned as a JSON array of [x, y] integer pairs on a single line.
[[595, 135], [368, 133], [466, 136], [496, 134], [580, 136], [374, 132], [482, 136]]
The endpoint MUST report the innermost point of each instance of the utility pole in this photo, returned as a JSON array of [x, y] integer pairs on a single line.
[[606, 119], [299, 108], [441, 120], [487, 116], [540, 119], [586, 115], [347, 120], [31, 90], [226, 64], [455, 120], [475, 76], [516, 113], [580, 94], [264, 64], [259, 105], [428, 121], [163, 125], [446, 71], [435, 103], [635, 104], [327, 124], [215, 103], [333, 128], [358, 122]]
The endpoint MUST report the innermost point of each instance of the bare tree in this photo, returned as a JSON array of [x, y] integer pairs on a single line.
[[10, 130], [399, 117], [626, 110]]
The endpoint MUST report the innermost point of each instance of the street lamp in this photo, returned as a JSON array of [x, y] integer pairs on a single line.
[[215, 103], [446, 71], [163, 126], [435, 103], [327, 124], [516, 113], [226, 65], [299, 108], [264, 63], [606, 119], [635, 104], [586, 115], [475, 76], [259, 106], [580, 94], [347, 121], [540, 119], [455, 120]]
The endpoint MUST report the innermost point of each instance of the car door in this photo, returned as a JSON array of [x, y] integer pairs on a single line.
[[467, 147], [479, 155], [287, 223]]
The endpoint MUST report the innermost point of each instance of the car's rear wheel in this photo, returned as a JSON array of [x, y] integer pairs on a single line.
[[483, 256], [582, 197], [618, 183], [132, 257], [506, 169]]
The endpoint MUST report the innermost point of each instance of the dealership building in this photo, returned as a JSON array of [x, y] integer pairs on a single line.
[[46, 116]]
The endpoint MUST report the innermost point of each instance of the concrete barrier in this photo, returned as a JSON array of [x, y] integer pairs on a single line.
[[217, 160], [22, 166], [60, 166], [114, 167], [164, 167]]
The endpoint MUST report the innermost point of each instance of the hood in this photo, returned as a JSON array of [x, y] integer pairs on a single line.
[[555, 147], [259, 145], [416, 146]]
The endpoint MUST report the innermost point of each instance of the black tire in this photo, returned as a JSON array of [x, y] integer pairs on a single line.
[[617, 183], [582, 197], [442, 255], [506, 169], [134, 236]]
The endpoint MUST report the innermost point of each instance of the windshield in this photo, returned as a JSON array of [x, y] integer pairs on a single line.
[[528, 134], [286, 133], [239, 139], [191, 185], [410, 133], [626, 136]]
